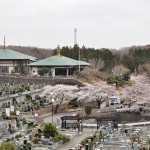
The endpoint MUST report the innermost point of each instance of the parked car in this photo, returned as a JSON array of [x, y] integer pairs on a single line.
[[118, 105]]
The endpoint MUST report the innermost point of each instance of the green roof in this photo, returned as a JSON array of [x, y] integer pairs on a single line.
[[59, 61], [7, 54]]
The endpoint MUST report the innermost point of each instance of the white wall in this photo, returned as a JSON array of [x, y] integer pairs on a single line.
[[10, 69], [53, 72], [34, 71]]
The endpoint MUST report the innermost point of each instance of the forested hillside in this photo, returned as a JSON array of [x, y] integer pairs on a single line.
[[102, 59], [138, 59], [133, 59], [39, 53]]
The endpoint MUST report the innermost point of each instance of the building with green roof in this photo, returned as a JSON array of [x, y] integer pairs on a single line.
[[58, 65], [14, 62]]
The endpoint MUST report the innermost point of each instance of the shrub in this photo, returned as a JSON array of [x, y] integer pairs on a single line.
[[18, 136], [88, 109], [12, 117], [49, 130], [119, 80], [29, 130], [38, 135], [8, 146], [27, 87], [148, 140], [60, 137], [43, 71], [36, 140], [4, 115], [24, 121], [37, 97], [74, 103]]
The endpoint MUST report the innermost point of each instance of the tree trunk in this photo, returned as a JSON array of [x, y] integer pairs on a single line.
[[56, 107], [98, 104]]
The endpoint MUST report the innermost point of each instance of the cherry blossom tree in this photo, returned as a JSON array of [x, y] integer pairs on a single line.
[[136, 94], [139, 92], [59, 93], [98, 92]]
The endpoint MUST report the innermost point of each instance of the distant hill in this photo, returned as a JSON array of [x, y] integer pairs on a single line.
[[39, 53]]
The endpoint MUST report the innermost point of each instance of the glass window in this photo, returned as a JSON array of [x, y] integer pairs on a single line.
[[4, 69]]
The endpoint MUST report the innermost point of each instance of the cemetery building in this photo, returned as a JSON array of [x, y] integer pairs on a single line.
[[14, 62], [58, 65]]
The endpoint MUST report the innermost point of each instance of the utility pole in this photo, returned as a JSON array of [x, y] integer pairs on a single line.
[[75, 36], [4, 43], [79, 58], [75, 44]]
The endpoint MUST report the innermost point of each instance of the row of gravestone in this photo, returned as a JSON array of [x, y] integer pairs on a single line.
[[8, 89]]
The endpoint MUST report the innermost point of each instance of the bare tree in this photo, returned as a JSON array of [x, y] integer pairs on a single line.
[[96, 63], [119, 70]]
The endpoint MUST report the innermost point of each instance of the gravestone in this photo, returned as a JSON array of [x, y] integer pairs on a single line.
[[8, 112], [136, 146], [12, 108], [58, 122]]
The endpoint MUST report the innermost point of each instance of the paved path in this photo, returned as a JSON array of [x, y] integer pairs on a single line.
[[73, 141]]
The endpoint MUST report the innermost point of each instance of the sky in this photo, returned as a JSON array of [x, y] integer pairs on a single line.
[[99, 23]]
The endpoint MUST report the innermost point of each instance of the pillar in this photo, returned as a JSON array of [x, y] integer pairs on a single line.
[[26, 67], [62, 123], [65, 123], [53, 72], [97, 125], [116, 124], [13, 66], [81, 125], [67, 71]]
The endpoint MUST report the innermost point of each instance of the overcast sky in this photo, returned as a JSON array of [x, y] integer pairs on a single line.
[[99, 23]]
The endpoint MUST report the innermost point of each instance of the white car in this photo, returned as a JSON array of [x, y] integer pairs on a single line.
[[118, 105]]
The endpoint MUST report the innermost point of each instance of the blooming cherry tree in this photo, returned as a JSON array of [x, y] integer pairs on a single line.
[[98, 92], [59, 93], [139, 92]]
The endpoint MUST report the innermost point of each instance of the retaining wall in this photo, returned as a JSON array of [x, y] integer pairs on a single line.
[[131, 117], [37, 80]]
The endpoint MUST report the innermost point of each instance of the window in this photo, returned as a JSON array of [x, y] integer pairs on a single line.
[[19, 69], [4, 69]]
